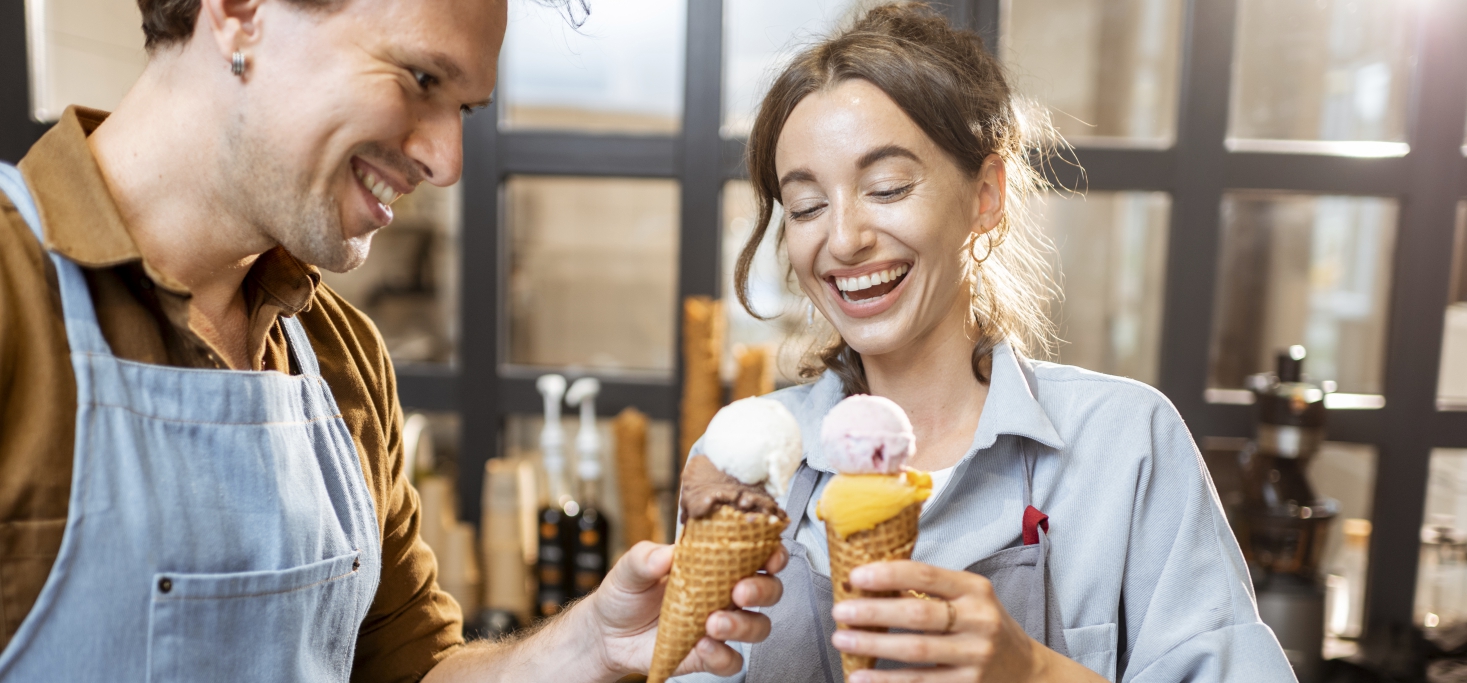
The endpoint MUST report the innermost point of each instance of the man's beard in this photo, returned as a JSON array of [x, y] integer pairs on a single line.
[[278, 201]]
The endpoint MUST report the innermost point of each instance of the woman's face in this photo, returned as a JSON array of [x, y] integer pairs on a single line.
[[876, 217]]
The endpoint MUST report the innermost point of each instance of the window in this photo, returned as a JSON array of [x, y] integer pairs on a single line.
[[1105, 69], [1313, 71], [1441, 584], [1111, 249], [593, 272], [622, 71], [1301, 269], [82, 52]]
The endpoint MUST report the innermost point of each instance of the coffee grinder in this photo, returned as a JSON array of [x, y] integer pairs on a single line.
[[1283, 525]]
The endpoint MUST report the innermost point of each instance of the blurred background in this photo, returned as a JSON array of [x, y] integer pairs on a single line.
[[1257, 175]]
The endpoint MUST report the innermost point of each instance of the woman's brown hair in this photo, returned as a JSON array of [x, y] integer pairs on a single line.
[[956, 92]]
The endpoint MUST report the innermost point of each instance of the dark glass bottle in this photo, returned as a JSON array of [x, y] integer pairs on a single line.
[[592, 554], [558, 528], [1285, 523]]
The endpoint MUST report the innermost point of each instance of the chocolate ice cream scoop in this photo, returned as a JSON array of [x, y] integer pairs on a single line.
[[705, 488]]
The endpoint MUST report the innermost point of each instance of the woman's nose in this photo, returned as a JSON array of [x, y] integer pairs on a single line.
[[850, 235]]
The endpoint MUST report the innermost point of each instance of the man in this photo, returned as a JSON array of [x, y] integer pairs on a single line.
[[200, 445]]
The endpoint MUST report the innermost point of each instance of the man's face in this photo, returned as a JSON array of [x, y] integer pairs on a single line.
[[344, 111]]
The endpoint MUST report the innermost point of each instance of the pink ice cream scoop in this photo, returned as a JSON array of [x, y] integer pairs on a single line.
[[867, 435]]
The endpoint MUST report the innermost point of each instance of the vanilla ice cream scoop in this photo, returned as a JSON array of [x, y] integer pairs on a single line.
[[757, 441], [867, 435]]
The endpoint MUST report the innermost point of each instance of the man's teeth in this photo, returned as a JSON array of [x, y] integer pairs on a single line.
[[856, 284], [381, 190]]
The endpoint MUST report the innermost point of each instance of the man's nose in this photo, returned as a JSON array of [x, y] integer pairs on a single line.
[[437, 146]]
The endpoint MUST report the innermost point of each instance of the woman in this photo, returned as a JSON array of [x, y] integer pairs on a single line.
[[901, 165]]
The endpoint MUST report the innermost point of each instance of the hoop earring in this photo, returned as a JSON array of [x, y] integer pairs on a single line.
[[237, 63]]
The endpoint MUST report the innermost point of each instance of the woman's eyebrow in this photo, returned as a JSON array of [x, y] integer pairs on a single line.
[[799, 175], [880, 153]]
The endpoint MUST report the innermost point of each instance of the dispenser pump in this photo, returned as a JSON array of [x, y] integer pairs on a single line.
[[552, 436], [588, 440]]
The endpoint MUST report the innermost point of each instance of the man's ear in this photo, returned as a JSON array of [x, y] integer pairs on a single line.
[[231, 23], [990, 190]]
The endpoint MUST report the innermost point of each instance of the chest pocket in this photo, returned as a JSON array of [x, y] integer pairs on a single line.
[[1094, 647], [228, 627]]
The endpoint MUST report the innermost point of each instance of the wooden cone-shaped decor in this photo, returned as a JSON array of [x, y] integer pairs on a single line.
[[634, 484], [756, 372], [702, 353]]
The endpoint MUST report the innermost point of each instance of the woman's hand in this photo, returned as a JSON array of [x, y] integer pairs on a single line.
[[626, 606], [983, 644]]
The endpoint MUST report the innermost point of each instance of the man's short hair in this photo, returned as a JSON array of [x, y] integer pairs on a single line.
[[170, 22]]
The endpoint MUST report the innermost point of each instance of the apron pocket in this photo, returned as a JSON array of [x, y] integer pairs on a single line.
[[295, 624], [1094, 647]]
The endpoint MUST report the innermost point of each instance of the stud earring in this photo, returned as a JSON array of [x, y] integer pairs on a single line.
[[237, 63]]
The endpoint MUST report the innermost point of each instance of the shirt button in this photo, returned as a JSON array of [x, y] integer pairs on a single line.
[[165, 584], [356, 564], [145, 283]]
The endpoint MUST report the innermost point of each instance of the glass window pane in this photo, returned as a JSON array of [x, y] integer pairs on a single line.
[[1451, 387], [759, 38], [1112, 263], [85, 52], [409, 283], [1441, 579], [1303, 269], [622, 71], [1323, 70], [1106, 69], [772, 291], [593, 272]]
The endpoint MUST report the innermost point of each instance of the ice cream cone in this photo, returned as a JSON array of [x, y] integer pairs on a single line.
[[892, 539], [713, 554]]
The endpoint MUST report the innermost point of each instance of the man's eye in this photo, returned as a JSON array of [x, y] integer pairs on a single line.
[[424, 79]]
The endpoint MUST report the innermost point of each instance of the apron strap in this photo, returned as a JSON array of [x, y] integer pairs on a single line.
[[299, 346], [83, 333], [799, 499]]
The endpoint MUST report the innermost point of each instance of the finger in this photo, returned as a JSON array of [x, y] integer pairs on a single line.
[[911, 648], [738, 625], [758, 591], [907, 613], [941, 674], [905, 575], [712, 656], [777, 561], [641, 568]]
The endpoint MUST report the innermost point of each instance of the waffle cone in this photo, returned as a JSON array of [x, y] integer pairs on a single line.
[[889, 540], [713, 554]]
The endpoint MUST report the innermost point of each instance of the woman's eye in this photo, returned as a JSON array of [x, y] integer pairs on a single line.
[[423, 78], [892, 193], [803, 213]]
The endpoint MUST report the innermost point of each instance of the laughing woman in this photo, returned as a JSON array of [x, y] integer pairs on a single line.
[[896, 153]]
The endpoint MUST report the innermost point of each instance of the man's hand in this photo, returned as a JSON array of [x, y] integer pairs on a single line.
[[624, 611]]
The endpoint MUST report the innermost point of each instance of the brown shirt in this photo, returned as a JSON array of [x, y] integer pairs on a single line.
[[412, 624]]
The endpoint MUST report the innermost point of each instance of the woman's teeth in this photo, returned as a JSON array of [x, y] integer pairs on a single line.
[[381, 190], [856, 284]]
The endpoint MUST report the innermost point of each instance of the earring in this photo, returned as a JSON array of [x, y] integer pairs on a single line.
[[237, 63], [809, 314]]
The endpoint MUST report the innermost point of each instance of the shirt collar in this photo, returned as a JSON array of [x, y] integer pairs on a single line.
[[82, 222], [1012, 408]]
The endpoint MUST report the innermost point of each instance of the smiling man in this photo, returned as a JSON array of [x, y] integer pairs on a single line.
[[201, 471]]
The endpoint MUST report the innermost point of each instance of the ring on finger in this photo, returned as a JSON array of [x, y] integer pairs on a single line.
[[952, 617]]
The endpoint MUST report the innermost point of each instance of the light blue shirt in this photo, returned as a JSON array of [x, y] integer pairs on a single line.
[[1149, 578]]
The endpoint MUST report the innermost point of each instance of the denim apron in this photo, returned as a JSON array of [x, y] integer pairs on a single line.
[[1019, 576], [220, 527]]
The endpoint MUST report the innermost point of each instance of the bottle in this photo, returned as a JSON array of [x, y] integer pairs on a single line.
[[557, 520], [593, 530]]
